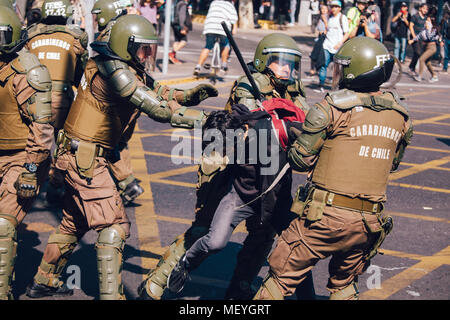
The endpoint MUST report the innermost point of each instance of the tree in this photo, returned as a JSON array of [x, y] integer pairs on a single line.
[[246, 14]]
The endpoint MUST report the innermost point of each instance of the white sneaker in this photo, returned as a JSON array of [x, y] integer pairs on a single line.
[[196, 71], [319, 89], [418, 78], [434, 79]]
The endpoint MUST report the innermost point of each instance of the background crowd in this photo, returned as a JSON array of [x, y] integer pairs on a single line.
[[422, 27]]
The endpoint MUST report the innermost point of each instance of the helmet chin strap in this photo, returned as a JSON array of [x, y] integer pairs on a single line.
[[18, 46]]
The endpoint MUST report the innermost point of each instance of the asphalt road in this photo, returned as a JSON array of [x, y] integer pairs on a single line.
[[416, 260]]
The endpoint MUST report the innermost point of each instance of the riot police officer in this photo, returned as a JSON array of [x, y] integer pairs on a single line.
[[350, 142], [62, 49], [25, 136], [276, 71], [111, 96], [105, 13]]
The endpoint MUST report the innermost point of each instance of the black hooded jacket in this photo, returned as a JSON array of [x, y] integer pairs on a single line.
[[250, 182]]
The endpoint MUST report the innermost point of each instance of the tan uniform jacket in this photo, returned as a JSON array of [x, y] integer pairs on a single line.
[[62, 49], [99, 114], [357, 155]]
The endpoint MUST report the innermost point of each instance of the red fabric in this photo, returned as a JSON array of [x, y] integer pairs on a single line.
[[282, 110], [285, 109]]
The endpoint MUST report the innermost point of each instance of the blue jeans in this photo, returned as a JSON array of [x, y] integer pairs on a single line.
[[323, 69], [447, 53], [230, 212], [400, 48]]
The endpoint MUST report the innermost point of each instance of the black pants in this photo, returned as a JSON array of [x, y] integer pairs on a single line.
[[417, 52]]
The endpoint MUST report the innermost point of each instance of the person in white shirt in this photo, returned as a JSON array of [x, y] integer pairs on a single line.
[[219, 10], [337, 34]]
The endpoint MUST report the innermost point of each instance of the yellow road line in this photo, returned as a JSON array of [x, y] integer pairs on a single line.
[[432, 134], [441, 124], [419, 110], [412, 186], [147, 226], [225, 84], [417, 216], [173, 172], [428, 149], [175, 183], [395, 184], [421, 93], [181, 80], [433, 119], [434, 168], [427, 102], [400, 254], [405, 278], [418, 168]]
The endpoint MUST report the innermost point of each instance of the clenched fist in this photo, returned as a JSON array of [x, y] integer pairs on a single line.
[[194, 96], [26, 185]]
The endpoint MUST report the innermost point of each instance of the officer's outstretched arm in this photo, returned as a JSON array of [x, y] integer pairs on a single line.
[[308, 143], [146, 100], [186, 97], [406, 140]]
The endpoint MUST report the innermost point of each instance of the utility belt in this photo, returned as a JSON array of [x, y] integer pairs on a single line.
[[315, 200], [85, 153], [61, 86]]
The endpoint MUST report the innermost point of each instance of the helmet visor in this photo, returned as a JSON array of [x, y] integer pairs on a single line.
[[6, 34], [338, 70], [284, 63], [338, 73], [142, 49]]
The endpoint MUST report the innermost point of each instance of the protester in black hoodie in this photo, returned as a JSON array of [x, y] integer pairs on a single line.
[[233, 188]]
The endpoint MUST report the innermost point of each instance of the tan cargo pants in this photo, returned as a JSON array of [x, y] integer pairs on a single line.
[[87, 206], [340, 233]]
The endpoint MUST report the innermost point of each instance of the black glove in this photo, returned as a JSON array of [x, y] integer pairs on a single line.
[[26, 185], [199, 93]]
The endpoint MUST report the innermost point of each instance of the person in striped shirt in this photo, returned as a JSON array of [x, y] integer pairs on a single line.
[[219, 10]]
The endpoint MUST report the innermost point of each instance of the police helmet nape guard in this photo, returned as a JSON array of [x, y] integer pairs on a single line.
[[56, 9], [133, 39], [362, 63], [12, 35], [106, 10], [282, 49]]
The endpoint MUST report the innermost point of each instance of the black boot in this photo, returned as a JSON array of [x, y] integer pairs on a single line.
[[142, 292], [36, 290], [177, 278]]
